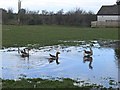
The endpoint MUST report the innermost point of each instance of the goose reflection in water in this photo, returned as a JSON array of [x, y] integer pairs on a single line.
[[54, 57], [88, 59]]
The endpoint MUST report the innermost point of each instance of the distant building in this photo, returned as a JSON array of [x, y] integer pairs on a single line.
[[108, 16], [108, 13]]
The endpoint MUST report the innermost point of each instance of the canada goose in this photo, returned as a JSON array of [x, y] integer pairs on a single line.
[[88, 53], [23, 52], [53, 57]]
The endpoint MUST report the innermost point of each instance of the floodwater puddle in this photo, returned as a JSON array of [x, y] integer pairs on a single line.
[[101, 68]]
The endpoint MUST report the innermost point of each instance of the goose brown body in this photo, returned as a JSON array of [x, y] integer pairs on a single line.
[[23, 53], [90, 53]]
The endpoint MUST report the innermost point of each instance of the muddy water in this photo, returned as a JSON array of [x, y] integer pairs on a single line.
[[102, 69]]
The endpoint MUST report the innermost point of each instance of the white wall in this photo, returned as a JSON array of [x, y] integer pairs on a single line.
[[106, 17], [105, 24]]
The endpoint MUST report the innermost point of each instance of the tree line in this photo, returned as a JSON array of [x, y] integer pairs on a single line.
[[77, 17]]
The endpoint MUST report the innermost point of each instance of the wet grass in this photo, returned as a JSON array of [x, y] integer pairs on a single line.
[[51, 35], [40, 83], [37, 83], [47, 84]]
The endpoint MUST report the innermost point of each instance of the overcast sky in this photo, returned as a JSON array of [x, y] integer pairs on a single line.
[[55, 5]]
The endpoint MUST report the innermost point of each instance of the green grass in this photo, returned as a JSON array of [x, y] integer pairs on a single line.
[[39, 83], [50, 35], [51, 84], [43, 83]]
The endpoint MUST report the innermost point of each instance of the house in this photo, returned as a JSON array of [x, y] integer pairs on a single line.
[[108, 16], [108, 13]]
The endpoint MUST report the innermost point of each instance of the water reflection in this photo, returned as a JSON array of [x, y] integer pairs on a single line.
[[50, 61], [88, 59]]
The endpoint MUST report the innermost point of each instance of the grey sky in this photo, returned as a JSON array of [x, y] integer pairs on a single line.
[[55, 5]]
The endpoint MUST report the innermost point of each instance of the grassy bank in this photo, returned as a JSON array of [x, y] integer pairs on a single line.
[[44, 83], [49, 35]]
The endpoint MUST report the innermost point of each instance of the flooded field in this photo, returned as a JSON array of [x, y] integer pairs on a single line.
[[102, 70]]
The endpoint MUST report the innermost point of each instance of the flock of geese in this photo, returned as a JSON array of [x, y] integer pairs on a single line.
[[25, 53], [87, 55]]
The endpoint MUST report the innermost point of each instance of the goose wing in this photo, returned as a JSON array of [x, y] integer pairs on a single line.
[[87, 52], [52, 55]]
